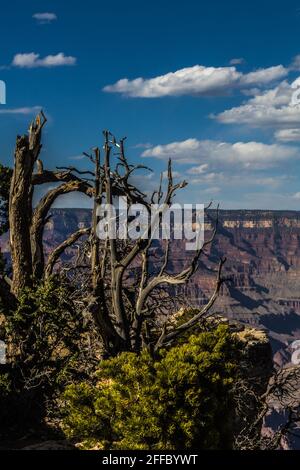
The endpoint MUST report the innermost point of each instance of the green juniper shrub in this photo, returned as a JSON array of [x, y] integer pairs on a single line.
[[181, 399], [43, 336], [5, 385], [44, 331]]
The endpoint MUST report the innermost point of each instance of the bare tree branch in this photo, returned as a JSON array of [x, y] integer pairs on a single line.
[[192, 322], [59, 250], [40, 216]]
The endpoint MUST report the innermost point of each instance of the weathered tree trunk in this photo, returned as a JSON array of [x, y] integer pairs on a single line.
[[20, 210], [113, 341], [26, 225]]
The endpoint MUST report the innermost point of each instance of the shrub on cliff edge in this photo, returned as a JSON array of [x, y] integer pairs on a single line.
[[182, 399]]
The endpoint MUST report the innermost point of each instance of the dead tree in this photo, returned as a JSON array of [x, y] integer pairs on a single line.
[[25, 222], [127, 313], [281, 395]]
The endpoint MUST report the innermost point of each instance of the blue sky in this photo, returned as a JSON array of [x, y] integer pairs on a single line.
[[207, 83]]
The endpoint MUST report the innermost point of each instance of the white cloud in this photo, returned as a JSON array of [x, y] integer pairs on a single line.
[[198, 170], [295, 65], [264, 76], [288, 135], [146, 145], [175, 174], [25, 110], [253, 155], [275, 97], [25, 60], [237, 61], [209, 178], [197, 80], [221, 166], [271, 108], [44, 18], [186, 151], [296, 196], [32, 60], [258, 116], [188, 81]]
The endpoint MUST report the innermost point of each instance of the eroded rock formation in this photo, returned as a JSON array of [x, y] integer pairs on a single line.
[[263, 264]]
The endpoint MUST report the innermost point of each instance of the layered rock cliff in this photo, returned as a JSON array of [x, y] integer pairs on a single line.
[[263, 264]]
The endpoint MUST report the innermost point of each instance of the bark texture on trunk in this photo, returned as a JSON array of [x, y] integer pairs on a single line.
[[27, 225], [20, 208]]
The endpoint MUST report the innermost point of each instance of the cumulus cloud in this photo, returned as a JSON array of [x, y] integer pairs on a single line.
[[33, 60], [288, 135], [277, 96], [198, 170], [197, 80], [253, 155], [261, 116], [264, 76], [295, 65], [44, 18], [273, 108], [25, 110], [219, 166]]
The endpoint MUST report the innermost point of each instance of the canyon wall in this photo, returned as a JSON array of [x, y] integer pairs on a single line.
[[263, 267]]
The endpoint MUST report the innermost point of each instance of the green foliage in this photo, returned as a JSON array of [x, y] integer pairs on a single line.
[[5, 385], [43, 334], [44, 338], [182, 399], [6, 404]]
